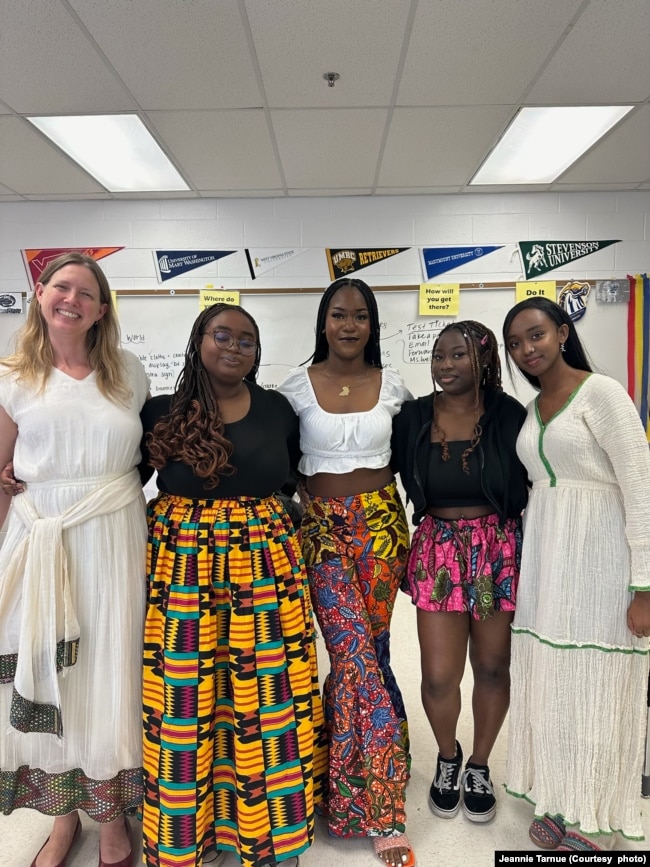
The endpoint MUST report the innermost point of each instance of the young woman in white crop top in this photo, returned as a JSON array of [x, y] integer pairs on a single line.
[[355, 542]]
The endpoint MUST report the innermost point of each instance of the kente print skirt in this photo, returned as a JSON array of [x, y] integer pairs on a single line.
[[234, 749]]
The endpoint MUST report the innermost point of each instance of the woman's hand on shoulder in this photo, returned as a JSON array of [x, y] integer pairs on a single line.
[[638, 614]]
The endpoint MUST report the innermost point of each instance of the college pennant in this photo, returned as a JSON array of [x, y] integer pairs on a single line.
[[435, 260], [263, 259], [343, 262], [538, 257], [36, 260], [171, 263]]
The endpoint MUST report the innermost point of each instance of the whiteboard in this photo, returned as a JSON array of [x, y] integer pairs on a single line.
[[156, 329]]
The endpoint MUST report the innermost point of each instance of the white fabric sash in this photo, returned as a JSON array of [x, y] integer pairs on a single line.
[[38, 568]]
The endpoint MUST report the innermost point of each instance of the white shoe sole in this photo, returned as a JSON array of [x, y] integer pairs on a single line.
[[443, 814], [480, 817]]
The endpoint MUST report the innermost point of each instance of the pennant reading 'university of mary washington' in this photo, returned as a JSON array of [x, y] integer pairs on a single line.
[[435, 260], [171, 263], [538, 257], [344, 262]]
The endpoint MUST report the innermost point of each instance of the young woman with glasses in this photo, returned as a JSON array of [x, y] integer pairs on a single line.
[[233, 751]]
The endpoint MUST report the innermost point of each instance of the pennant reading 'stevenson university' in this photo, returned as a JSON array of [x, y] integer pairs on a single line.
[[344, 262], [435, 260], [171, 263], [538, 257]]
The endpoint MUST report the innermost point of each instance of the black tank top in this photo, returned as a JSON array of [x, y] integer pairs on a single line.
[[446, 484]]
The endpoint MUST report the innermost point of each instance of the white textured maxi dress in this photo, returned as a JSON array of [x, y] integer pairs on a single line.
[[73, 441], [579, 676]]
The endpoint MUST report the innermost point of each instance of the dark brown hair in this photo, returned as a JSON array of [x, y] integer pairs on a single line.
[[193, 432]]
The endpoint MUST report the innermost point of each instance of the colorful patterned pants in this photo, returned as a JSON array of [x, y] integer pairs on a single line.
[[355, 549], [234, 747]]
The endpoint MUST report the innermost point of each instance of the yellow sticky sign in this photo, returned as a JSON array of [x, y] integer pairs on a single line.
[[540, 287], [114, 298], [439, 299], [208, 297]]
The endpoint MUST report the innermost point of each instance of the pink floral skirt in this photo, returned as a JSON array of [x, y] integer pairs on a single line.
[[469, 565]]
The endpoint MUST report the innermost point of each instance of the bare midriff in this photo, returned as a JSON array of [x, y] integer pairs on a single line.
[[360, 481], [454, 513]]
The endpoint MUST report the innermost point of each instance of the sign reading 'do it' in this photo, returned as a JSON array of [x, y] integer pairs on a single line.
[[540, 287], [439, 299]]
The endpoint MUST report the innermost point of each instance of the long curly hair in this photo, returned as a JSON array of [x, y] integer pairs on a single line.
[[574, 352], [372, 350], [483, 352], [33, 358], [193, 431]]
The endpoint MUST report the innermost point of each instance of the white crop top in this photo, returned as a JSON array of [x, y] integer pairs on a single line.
[[342, 442]]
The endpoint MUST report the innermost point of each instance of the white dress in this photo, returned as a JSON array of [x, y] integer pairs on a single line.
[[70, 440], [579, 676]]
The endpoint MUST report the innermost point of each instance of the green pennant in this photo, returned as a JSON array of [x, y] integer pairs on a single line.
[[538, 257]]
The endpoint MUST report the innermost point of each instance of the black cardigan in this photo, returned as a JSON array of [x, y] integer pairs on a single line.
[[503, 477]]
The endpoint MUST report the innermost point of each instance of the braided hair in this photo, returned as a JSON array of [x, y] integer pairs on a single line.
[[483, 352], [372, 349], [193, 431]]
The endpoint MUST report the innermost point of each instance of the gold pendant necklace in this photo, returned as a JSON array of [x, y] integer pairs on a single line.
[[345, 389]]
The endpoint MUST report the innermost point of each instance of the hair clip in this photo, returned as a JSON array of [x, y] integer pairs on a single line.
[[484, 340]]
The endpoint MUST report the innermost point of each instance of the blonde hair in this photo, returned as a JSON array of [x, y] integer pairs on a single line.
[[33, 358]]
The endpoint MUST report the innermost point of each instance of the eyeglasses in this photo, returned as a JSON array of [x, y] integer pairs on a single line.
[[225, 340]]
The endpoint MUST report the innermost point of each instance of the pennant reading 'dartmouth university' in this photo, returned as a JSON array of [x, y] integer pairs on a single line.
[[435, 260], [347, 261], [538, 257], [171, 263]]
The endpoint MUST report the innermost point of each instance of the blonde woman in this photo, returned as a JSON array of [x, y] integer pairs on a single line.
[[71, 569]]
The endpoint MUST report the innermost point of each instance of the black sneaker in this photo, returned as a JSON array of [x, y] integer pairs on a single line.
[[444, 794], [479, 803]]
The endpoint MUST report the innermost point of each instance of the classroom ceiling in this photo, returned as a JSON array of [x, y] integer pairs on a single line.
[[233, 90]]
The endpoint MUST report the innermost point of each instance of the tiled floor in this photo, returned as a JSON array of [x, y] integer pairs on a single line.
[[443, 843]]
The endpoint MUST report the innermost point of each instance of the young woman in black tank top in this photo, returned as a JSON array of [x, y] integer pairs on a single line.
[[455, 451]]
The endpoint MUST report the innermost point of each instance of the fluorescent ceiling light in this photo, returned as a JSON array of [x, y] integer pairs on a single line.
[[541, 143], [116, 149]]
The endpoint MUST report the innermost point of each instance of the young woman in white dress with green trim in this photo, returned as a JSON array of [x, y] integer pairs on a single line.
[[580, 649]]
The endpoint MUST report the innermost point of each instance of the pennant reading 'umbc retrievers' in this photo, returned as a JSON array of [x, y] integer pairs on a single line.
[[346, 261], [538, 257]]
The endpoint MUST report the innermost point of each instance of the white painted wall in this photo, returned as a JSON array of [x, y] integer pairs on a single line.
[[317, 223]]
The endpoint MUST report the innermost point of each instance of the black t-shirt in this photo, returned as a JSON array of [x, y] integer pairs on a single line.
[[265, 450]]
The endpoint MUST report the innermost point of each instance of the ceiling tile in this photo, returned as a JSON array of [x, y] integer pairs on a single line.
[[360, 41], [30, 165], [603, 59], [623, 157], [176, 55], [438, 146], [331, 150], [479, 51], [229, 150], [48, 65]]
